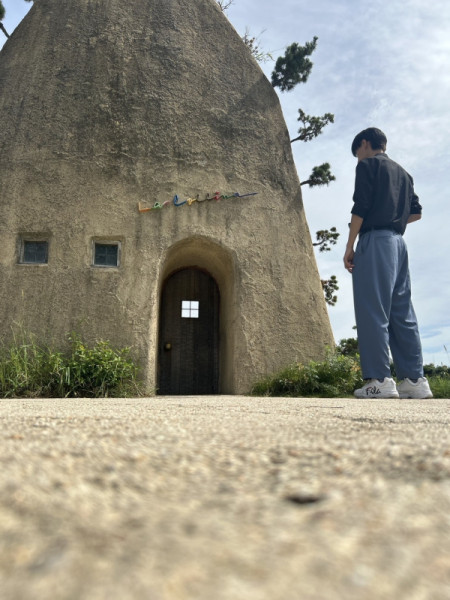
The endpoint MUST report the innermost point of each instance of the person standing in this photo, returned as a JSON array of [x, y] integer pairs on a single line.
[[384, 204]]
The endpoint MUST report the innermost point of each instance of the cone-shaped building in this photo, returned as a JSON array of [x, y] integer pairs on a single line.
[[109, 108]]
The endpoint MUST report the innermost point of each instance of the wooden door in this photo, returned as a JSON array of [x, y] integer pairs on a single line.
[[189, 334]]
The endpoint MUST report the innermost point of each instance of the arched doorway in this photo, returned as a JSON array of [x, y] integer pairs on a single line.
[[189, 334]]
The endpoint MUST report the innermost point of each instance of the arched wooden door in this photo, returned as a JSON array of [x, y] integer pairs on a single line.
[[189, 334]]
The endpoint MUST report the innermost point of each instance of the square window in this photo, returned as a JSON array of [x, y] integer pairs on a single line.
[[190, 309], [34, 252], [106, 255]]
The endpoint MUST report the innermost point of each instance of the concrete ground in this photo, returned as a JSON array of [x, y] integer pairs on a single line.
[[224, 498]]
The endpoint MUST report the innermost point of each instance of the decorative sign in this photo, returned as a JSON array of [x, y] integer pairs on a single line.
[[177, 202]]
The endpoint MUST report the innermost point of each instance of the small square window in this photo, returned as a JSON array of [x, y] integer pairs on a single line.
[[190, 309], [106, 255], [34, 252]]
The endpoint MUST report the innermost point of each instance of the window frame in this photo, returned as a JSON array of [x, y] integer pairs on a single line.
[[30, 238], [194, 311], [106, 242]]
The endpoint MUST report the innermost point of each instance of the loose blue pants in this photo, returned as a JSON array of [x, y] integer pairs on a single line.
[[384, 312]]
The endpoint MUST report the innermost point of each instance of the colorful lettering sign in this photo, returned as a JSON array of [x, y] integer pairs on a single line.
[[189, 201]]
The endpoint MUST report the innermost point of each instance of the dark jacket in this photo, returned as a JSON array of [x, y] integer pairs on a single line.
[[384, 194]]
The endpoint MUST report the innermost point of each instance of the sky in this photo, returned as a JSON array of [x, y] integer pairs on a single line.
[[382, 63]]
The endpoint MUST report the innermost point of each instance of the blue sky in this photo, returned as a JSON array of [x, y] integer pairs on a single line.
[[383, 63]]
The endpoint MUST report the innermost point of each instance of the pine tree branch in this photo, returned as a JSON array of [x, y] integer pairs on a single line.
[[4, 30]]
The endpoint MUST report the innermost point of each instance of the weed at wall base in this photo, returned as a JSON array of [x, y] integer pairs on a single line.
[[336, 376], [31, 370], [440, 386]]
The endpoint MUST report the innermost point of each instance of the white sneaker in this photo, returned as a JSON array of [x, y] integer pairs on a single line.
[[418, 391], [378, 389]]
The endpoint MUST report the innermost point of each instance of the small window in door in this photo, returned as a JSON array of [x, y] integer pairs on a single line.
[[189, 309]]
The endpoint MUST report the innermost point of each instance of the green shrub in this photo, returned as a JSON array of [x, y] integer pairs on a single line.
[[29, 369], [336, 376], [98, 371], [348, 347], [432, 370], [439, 379], [440, 386]]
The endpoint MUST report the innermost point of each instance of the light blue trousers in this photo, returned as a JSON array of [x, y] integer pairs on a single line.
[[384, 312]]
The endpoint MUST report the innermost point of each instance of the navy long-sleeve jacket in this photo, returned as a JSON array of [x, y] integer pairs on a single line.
[[384, 194]]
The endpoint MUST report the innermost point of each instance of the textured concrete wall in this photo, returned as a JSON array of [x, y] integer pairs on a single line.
[[107, 104]]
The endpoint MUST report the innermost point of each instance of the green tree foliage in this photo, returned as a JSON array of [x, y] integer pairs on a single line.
[[348, 346], [294, 67], [431, 370], [2, 16], [330, 286], [290, 70], [326, 238], [312, 126], [320, 175]]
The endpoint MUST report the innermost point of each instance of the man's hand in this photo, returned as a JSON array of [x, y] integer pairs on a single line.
[[413, 218], [355, 226], [348, 259]]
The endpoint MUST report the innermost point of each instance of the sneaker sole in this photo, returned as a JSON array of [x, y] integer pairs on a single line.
[[419, 397], [378, 397]]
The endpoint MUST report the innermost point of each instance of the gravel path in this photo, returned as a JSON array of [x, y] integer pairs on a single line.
[[224, 498]]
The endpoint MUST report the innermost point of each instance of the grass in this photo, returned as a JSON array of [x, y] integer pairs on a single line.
[[440, 386], [334, 377], [337, 376], [32, 370]]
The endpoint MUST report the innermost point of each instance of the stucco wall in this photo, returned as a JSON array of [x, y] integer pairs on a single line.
[[107, 104]]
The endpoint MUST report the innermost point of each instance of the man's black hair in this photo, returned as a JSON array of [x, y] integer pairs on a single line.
[[373, 135]]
